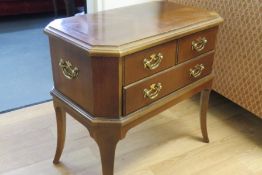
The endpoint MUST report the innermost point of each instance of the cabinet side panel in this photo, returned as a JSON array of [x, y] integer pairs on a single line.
[[107, 79], [79, 89]]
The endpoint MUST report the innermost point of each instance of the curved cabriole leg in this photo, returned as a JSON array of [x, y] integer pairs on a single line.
[[203, 112], [107, 139], [61, 132]]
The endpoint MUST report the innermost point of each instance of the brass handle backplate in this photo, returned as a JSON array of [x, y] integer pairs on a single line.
[[153, 92], [153, 62], [197, 70], [68, 70], [199, 44]]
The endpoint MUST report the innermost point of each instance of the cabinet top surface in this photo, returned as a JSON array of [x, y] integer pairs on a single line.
[[121, 31]]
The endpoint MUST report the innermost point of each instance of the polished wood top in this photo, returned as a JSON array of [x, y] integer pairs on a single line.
[[125, 30]]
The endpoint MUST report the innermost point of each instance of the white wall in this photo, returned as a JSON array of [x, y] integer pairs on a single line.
[[99, 5]]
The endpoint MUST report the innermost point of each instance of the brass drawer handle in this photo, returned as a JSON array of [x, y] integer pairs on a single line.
[[199, 44], [154, 62], [197, 70], [68, 70], [153, 92]]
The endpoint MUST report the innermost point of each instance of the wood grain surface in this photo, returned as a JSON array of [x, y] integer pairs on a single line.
[[171, 80], [126, 30], [185, 51], [134, 69], [97, 97], [98, 86], [160, 146]]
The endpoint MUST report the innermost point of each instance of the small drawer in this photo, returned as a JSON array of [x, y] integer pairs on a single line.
[[144, 92], [196, 44], [149, 61]]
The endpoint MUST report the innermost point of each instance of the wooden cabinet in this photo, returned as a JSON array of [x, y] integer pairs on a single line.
[[115, 69]]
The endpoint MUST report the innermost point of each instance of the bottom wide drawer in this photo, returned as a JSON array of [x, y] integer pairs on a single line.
[[144, 92]]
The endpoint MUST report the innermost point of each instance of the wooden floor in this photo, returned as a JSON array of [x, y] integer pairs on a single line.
[[169, 144]]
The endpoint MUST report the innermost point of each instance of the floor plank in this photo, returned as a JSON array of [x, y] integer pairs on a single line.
[[168, 144]]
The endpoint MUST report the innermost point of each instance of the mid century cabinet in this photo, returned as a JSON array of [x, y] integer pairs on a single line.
[[113, 70]]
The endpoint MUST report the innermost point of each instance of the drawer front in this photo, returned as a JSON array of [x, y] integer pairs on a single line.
[[150, 61], [153, 88], [196, 44]]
